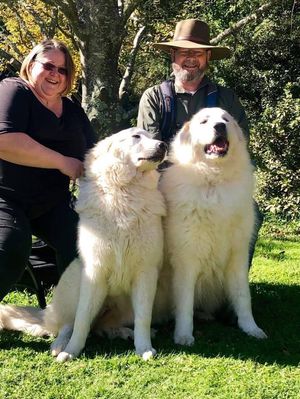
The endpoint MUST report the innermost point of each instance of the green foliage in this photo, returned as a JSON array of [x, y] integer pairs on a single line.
[[275, 228], [267, 59], [276, 143], [24, 23]]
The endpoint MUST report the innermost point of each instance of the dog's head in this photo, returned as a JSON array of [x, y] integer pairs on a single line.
[[138, 147], [120, 156], [210, 135]]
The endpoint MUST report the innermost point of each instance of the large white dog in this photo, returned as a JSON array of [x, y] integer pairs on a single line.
[[210, 219], [120, 245]]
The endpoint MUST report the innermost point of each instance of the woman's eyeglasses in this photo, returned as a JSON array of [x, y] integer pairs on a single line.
[[50, 67]]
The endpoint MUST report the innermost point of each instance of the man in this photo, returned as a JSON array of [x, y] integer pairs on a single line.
[[192, 90], [190, 52]]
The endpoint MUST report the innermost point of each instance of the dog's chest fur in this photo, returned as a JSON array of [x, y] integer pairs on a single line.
[[122, 208], [203, 214], [127, 223]]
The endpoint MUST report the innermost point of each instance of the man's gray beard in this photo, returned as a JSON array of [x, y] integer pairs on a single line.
[[182, 75]]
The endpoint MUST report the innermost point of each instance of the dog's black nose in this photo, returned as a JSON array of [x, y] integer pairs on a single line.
[[162, 146], [220, 128]]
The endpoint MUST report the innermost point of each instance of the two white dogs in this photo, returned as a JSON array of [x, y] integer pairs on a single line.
[[208, 227]]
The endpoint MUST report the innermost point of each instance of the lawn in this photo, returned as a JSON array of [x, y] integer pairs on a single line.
[[223, 363]]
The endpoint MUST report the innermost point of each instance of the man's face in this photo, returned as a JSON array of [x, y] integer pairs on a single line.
[[190, 64]]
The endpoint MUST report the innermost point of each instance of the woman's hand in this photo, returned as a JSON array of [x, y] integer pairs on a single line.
[[71, 167]]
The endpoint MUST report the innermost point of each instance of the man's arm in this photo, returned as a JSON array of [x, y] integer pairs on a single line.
[[239, 114], [229, 101], [149, 115]]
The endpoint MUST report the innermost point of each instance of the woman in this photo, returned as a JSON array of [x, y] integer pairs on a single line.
[[43, 139]]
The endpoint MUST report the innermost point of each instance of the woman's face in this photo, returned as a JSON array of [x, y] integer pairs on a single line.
[[49, 74]]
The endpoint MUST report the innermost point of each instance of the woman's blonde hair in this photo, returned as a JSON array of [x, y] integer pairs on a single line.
[[42, 48]]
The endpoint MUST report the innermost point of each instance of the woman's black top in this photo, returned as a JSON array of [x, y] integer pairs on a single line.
[[71, 135]]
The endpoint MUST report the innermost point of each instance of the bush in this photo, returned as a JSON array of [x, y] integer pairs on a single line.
[[275, 145]]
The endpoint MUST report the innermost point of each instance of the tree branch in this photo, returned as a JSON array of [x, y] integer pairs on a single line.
[[123, 89], [67, 7], [14, 64], [129, 9], [240, 24]]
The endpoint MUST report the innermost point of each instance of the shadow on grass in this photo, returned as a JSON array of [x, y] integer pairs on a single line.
[[275, 308]]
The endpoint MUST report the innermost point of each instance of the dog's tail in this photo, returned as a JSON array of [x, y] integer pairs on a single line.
[[23, 318]]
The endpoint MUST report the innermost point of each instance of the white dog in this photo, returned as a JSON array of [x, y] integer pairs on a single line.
[[210, 219], [120, 245]]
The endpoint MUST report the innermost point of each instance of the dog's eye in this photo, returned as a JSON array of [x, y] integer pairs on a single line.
[[136, 136], [203, 121], [225, 119]]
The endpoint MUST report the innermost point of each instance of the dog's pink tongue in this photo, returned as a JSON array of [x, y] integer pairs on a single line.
[[215, 148], [219, 146]]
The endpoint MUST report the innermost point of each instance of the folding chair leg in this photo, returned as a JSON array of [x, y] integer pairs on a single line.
[[39, 290]]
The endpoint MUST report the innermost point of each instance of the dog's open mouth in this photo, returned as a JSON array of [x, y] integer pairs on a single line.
[[218, 148]]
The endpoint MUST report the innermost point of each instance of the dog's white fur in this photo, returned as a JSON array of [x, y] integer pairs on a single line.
[[209, 223], [120, 246]]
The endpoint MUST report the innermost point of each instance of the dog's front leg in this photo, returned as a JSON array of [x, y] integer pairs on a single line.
[[237, 285], [143, 293], [183, 289], [93, 291], [62, 339]]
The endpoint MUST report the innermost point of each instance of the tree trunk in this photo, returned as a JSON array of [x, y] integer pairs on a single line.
[[99, 33]]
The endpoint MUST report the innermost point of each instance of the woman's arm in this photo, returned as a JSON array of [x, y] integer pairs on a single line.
[[21, 149]]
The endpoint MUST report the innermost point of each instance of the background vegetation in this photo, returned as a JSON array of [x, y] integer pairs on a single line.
[[112, 43]]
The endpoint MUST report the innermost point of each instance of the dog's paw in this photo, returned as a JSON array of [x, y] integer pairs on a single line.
[[253, 330], [149, 354], [61, 341], [65, 357], [146, 354], [57, 347], [184, 339], [55, 351], [257, 333]]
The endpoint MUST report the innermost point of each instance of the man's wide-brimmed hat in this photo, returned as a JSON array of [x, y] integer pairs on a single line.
[[194, 34]]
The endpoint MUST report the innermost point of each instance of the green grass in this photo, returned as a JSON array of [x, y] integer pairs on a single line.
[[224, 362]]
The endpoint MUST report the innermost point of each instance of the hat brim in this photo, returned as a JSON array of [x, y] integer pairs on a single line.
[[217, 52]]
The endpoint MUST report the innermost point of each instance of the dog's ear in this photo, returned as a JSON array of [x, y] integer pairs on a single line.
[[181, 148], [100, 150], [184, 136], [108, 165]]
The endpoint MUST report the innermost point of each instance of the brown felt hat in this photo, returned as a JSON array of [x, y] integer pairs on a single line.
[[194, 34]]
